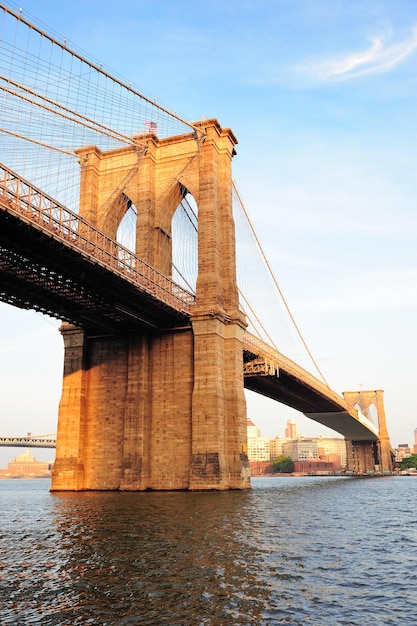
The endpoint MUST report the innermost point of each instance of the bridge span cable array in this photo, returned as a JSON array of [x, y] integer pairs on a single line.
[[96, 67], [54, 100]]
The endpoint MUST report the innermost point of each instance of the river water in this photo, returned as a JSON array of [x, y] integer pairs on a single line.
[[299, 551]]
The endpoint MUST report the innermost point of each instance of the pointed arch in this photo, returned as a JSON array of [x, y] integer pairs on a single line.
[[185, 242], [112, 223], [126, 230], [177, 228]]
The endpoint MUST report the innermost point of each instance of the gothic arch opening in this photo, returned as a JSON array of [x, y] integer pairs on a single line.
[[370, 412], [126, 230], [185, 241]]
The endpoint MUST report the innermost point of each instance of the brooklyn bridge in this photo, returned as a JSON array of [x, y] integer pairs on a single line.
[[123, 220]]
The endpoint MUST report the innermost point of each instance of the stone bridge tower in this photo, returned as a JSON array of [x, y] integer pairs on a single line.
[[363, 456], [160, 410]]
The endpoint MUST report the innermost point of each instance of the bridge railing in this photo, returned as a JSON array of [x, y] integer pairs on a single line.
[[41, 210]]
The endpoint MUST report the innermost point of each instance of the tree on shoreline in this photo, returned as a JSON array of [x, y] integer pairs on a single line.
[[410, 461], [282, 465]]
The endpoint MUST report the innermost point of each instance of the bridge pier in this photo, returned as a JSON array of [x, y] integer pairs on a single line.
[[164, 408], [219, 459], [124, 419], [361, 456], [142, 412]]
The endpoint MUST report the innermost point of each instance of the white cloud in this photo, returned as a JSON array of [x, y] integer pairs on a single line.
[[378, 58]]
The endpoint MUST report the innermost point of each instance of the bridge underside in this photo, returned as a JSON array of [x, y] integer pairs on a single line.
[[293, 392], [289, 390], [42, 273], [343, 423]]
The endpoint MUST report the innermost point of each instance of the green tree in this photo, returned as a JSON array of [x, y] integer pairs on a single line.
[[410, 461], [282, 464]]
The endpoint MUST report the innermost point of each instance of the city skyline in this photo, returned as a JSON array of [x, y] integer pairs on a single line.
[[48, 455], [322, 99], [328, 434]]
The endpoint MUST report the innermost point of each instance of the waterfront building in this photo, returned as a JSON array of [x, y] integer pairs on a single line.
[[26, 466], [332, 450], [314, 467], [415, 442], [402, 452], [258, 447]]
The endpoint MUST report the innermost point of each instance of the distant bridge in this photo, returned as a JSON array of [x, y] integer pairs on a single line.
[[27, 442]]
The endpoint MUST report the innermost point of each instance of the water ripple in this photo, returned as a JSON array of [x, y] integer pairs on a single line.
[[299, 551]]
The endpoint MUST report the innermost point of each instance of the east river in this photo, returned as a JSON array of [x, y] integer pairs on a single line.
[[300, 551]]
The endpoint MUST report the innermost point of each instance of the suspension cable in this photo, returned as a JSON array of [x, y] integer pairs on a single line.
[[258, 320], [99, 68], [36, 142], [277, 286], [57, 109]]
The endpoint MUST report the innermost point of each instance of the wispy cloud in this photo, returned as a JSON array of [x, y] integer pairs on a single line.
[[380, 57]]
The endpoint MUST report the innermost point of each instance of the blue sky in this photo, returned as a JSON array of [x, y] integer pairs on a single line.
[[322, 96]]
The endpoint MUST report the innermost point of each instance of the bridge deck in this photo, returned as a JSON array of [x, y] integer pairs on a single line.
[[53, 261]]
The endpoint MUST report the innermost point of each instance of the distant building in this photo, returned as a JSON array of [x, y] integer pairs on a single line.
[[415, 442], [328, 450], [252, 430], [259, 468], [314, 467], [276, 447], [332, 450], [301, 450], [26, 466], [291, 432], [258, 447], [402, 452]]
